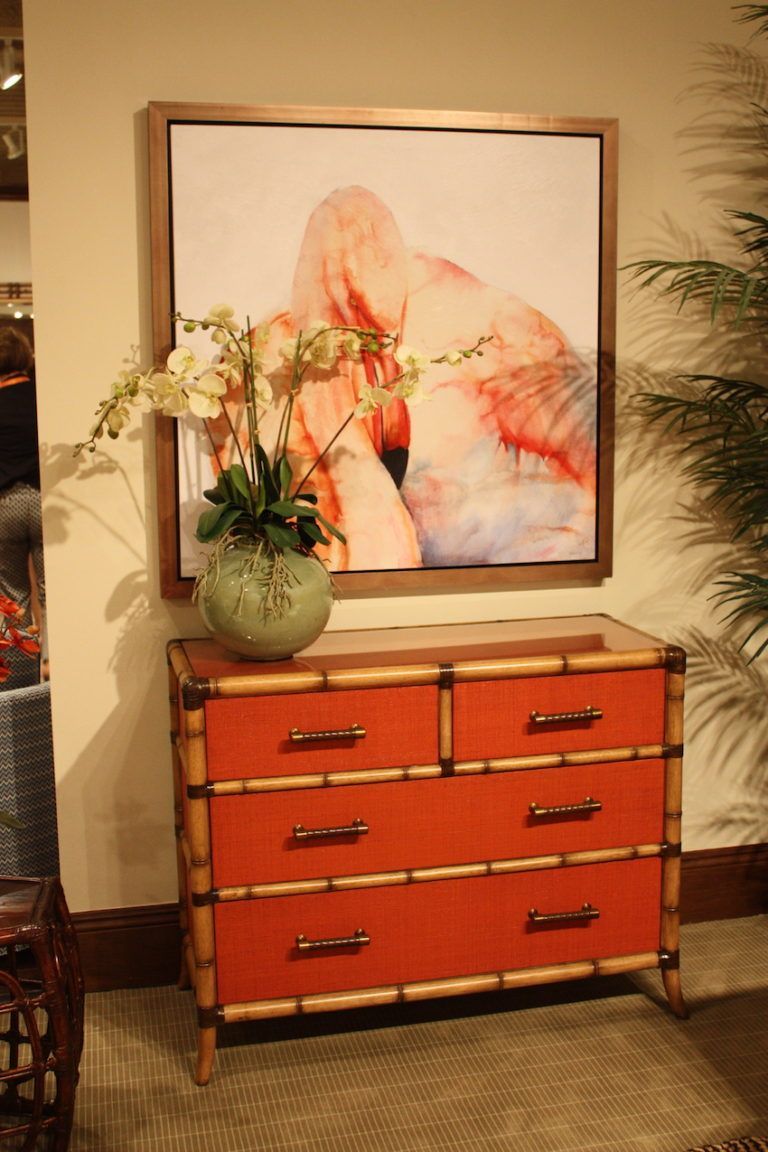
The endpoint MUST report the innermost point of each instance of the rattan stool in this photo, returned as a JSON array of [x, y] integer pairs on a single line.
[[41, 1015]]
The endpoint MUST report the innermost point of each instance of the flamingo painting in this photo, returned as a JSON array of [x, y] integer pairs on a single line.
[[498, 463]]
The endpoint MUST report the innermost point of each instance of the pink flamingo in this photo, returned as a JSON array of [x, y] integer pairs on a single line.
[[498, 465]]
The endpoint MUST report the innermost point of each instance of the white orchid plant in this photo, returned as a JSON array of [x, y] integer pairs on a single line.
[[258, 497]]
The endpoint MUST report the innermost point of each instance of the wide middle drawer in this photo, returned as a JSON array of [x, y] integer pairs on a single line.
[[425, 823]]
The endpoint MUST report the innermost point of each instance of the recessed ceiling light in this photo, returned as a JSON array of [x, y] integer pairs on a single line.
[[10, 73], [15, 140]]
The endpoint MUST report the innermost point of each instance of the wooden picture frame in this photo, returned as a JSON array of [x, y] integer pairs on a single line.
[[523, 207]]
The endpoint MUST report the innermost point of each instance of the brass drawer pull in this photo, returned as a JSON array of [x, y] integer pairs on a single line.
[[586, 912], [356, 828], [588, 713], [360, 937], [354, 732], [587, 805]]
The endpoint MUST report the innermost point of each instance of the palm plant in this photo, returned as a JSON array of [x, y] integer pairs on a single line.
[[723, 420]]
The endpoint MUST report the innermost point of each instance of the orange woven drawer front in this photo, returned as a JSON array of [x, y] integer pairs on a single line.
[[429, 931], [249, 737], [424, 823], [492, 718]]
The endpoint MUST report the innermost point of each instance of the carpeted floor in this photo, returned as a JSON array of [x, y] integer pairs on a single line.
[[591, 1067]]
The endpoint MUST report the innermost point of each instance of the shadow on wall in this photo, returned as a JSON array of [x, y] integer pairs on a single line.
[[726, 715], [728, 704], [130, 806], [701, 533], [726, 711]]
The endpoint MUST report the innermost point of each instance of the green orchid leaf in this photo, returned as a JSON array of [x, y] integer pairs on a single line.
[[308, 528], [266, 479], [285, 474], [331, 528], [241, 483], [286, 508], [224, 485], [214, 496], [214, 522], [281, 536]]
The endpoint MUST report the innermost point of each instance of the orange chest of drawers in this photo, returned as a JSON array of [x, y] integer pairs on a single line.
[[421, 812]]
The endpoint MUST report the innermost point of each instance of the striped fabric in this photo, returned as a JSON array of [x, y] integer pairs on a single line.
[[27, 787]]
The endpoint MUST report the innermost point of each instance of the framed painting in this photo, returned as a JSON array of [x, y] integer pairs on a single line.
[[440, 228]]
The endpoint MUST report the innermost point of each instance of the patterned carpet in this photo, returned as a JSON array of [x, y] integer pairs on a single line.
[[747, 1145], [594, 1067]]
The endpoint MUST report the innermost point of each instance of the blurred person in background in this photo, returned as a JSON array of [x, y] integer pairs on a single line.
[[21, 538]]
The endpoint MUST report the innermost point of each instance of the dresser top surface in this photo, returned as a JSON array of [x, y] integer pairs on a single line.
[[433, 644]]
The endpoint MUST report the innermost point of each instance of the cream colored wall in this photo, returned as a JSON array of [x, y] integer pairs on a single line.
[[639, 62]]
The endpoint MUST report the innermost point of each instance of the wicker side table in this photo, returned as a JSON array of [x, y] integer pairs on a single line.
[[41, 1015]]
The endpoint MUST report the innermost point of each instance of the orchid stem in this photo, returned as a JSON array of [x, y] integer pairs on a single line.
[[324, 452], [250, 404]]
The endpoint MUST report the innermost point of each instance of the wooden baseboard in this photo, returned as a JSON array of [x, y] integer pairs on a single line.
[[129, 947], [724, 883], [139, 947]]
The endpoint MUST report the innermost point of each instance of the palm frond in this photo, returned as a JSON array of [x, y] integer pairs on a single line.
[[748, 593], [721, 422], [721, 284], [756, 229], [725, 442], [750, 13]]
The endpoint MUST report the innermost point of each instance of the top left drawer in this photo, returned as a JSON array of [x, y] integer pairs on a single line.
[[250, 737]]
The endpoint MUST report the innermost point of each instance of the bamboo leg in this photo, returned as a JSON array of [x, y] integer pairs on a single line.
[[178, 784], [195, 870], [670, 880], [674, 991], [206, 1050]]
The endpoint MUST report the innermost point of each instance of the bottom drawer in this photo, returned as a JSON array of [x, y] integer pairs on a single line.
[[434, 930]]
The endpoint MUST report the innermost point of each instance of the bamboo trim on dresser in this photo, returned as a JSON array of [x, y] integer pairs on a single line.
[[444, 722], [252, 786], [428, 875], [432, 989], [195, 860], [195, 689], [670, 870], [192, 692], [178, 815]]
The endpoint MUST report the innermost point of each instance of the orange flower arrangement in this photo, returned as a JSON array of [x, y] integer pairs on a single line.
[[12, 635]]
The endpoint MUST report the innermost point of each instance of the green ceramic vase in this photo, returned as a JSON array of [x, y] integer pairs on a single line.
[[232, 603]]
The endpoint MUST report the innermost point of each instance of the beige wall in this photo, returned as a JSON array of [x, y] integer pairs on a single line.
[[92, 69]]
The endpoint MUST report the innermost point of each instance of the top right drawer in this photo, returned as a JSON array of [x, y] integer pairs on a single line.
[[493, 719]]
